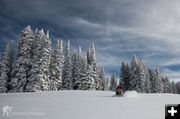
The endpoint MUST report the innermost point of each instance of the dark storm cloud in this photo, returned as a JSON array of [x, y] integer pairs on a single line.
[[119, 28]]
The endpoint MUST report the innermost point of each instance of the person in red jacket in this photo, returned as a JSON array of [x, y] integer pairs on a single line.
[[119, 90]]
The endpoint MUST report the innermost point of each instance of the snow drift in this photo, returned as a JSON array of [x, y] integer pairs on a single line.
[[86, 105], [131, 94]]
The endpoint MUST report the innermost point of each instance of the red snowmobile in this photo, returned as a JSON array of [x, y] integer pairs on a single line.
[[119, 91]]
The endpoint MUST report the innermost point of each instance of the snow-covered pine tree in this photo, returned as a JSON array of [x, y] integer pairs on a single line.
[[23, 61], [77, 70], [107, 83], [39, 73], [152, 81], [73, 63], [6, 67], [94, 66], [113, 83], [67, 69], [135, 82], [55, 79], [88, 53], [174, 88], [147, 77], [178, 87], [103, 80], [158, 82], [166, 85], [128, 75], [142, 78], [125, 76], [86, 80]]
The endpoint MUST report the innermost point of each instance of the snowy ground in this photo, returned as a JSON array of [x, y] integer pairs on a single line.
[[85, 105]]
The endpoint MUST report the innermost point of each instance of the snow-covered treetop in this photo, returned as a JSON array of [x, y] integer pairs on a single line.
[[47, 34], [27, 30], [41, 32], [93, 54], [85, 56], [79, 51], [157, 71], [67, 54], [135, 58], [134, 61], [8, 53], [61, 46]]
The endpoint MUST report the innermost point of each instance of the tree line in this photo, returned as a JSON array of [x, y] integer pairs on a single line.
[[143, 79], [38, 68]]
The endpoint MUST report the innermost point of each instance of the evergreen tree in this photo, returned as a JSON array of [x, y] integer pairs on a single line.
[[125, 76], [128, 75], [166, 85], [135, 82], [39, 73], [77, 72], [113, 83], [158, 83], [73, 61], [86, 80], [23, 62], [6, 67], [94, 66], [88, 53], [153, 86], [56, 67], [142, 78], [103, 80], [67, 69], [178, 87], [174, 88], [146, 77]]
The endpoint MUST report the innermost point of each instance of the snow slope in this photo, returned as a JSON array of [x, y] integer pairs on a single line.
[[86, 105]]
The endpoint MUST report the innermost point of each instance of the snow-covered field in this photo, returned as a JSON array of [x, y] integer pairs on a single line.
[[85, 105]]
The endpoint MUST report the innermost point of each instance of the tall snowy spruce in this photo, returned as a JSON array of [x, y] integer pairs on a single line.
[[152, 80], [77, 69], [73, 70], [94, 66], [23, 62], [103, 80], [82, 72], [178, 87], [86, 80], [158, 83], [125, 76], [6, 67], [55, 79], [144, 75], [166, 85], [39, 74], [67, 82], [135, 82], [122, 76], [174, 87], [113, 83], [140, 83]]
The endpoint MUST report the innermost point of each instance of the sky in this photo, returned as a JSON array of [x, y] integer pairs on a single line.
[[119, 28]]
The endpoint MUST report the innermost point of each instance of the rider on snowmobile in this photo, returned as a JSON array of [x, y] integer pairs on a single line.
[[119, 90]]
